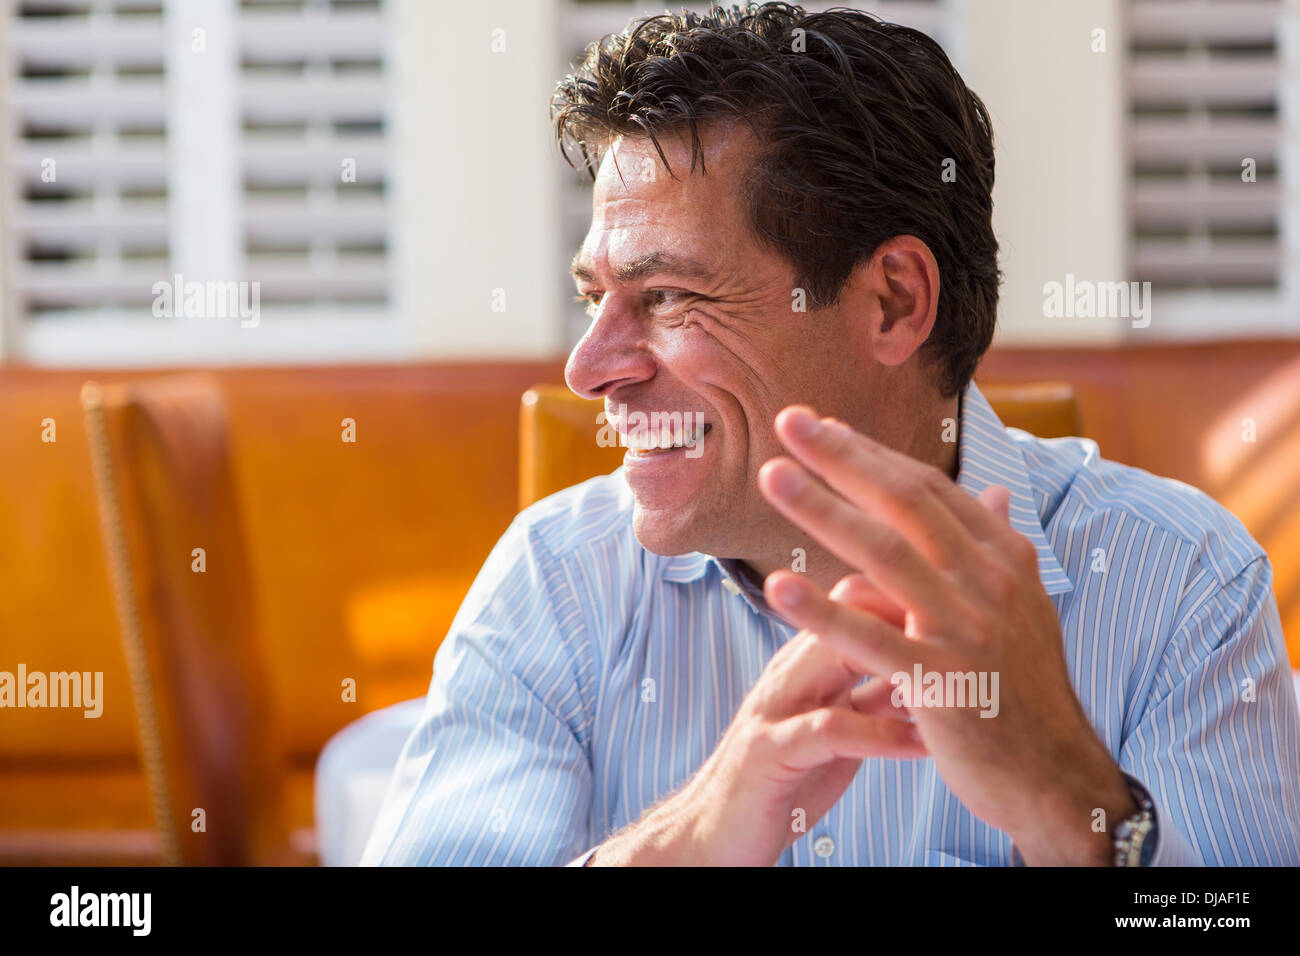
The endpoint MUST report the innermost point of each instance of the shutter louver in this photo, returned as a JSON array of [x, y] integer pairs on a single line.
[[1203, 84], [88, 107], [87, 172], [313, 97]]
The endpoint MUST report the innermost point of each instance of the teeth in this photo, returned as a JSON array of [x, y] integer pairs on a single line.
[[650, 441], [656, 432], [647, 442]]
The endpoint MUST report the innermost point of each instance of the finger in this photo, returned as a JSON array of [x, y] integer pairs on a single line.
[[876, 698], [803, 674], [997, 499], [901, 493], [867, 643], [858, 539], [856, 590], [866, 471], [819, 736]]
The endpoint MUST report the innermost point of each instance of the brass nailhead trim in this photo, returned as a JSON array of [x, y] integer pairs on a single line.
[[92, 402]]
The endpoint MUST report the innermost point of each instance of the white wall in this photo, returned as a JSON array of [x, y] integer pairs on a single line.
[[1057, 111], [475, 197]]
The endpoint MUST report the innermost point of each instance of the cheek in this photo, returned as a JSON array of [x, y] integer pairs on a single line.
[[707, 353], [739, 379]]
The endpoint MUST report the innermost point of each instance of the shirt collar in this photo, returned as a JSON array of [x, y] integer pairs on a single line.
[[986, 456], [989, 456]]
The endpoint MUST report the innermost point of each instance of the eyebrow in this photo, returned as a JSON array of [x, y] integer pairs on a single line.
[[652, 263]]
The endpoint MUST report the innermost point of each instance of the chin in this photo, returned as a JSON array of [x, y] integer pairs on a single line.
[[666, 533]]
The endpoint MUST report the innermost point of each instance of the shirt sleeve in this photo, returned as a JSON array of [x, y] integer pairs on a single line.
[[1171, 847], [1216, 746], [497, 772]]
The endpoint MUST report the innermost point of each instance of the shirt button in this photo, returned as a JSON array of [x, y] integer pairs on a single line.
[[731, 586], [824, 846]]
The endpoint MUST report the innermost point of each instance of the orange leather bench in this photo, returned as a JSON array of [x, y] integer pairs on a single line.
[[361, 553]]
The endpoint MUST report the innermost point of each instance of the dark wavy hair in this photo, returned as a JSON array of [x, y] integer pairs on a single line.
[[857, 121]]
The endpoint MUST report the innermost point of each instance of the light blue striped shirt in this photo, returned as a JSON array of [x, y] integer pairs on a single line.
[[585, 678]]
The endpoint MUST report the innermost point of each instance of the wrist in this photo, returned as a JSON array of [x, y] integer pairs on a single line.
[[665, 836], [1073, 825]]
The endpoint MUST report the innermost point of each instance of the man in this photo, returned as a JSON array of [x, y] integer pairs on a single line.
[[840, 615]]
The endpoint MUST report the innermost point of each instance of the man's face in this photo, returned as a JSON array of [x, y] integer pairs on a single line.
[[692, 316]]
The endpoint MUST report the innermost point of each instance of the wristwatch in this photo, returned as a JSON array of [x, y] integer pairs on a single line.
[[1135, 836]]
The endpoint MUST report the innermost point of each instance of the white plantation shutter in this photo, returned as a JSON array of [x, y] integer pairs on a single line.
[[588, 20], [313, 106], [225, 161], [1208, 88], [585, 21], [86, 109]]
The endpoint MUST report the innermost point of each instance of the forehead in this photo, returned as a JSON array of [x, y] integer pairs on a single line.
[[637, 203], [632, 166]]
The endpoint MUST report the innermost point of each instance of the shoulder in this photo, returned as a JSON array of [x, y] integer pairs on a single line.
[[1078, 488], [569, 573], [535, 608], [595, 514], [571, 551]]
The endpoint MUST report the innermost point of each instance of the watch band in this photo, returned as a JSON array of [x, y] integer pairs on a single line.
[[1135, 836]]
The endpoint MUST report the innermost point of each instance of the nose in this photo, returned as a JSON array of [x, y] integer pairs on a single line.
[[611, 354]]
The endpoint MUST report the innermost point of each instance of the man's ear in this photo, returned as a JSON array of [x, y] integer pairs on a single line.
[[903, 281]]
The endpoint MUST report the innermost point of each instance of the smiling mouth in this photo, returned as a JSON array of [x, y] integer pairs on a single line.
[[652, 448]]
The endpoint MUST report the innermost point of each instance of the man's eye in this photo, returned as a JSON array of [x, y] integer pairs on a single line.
[[590, 299], [666, 298]]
